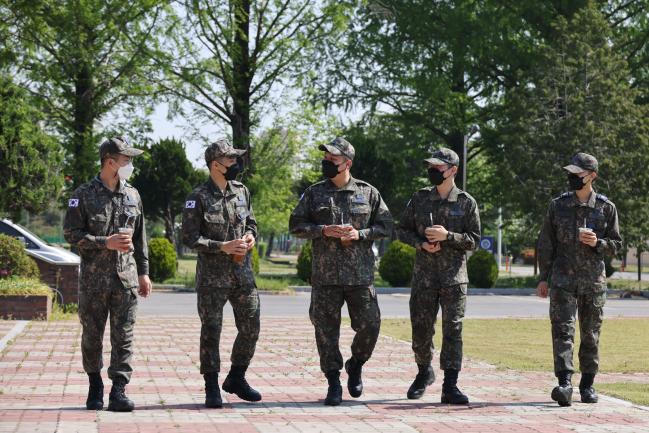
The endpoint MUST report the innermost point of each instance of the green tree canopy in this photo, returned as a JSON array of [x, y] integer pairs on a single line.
[[85, 60], [30, 159], [164, 178], [579, 98]]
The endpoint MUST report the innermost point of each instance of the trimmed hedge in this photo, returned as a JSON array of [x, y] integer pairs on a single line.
[[482, 269], [397, 263], [14, 261], [162, 259], [254, 258], [262, 247], [15, 286], [304, 260]]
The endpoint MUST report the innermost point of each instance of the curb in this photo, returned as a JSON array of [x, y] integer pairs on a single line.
[[471, 291]]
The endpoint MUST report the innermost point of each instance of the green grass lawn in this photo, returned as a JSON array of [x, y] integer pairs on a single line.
[[635, 392], [526, 345], [273, 275], [628, 284]]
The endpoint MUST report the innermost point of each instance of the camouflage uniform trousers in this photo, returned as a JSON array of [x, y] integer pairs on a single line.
[[245, 305], [94, 307], [326, 303], [424, 305], [565, 304]]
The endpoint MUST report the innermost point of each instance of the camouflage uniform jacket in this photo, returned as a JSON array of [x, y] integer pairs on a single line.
[[94, 213], [210, 218], [562, 258], [357, 203], [459, 215]]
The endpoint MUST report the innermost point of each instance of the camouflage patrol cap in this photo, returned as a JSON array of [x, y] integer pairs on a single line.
[[219, 148], [339, 146], [118, 145], [581, 162], [443, 156]]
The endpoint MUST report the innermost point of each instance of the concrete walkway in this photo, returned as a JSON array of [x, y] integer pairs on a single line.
[[43, 389]]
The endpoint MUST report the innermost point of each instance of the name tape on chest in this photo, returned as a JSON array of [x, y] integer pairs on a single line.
[[359, 198]]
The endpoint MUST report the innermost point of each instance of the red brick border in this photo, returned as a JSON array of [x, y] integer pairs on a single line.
[[25, 307]]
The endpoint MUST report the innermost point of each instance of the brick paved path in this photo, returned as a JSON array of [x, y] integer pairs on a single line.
[[43, 389]]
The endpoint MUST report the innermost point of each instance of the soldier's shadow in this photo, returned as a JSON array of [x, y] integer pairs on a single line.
[[385, 405], [406, 405]]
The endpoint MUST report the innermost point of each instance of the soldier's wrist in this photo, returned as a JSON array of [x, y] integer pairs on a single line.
[[216, 245]]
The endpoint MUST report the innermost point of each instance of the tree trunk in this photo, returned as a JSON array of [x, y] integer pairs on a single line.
[[242, 78], [639, 255], [81, 149], [169, 220], [455, 142], [269, 247]]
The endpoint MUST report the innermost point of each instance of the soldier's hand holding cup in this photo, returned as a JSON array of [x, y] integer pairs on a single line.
[[334, 231], [236, 247], [587, 236], [121, 241], [436, 233]]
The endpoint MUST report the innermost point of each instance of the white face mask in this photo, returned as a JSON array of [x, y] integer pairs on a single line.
[[125, 172]]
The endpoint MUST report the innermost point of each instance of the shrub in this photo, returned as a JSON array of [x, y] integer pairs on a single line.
[[254, 258], [162, 259], [16, 286], [397, 263], [304, 260], [262, 248], [483, 269], [14, 261]]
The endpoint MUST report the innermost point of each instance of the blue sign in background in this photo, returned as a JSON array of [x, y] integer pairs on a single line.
[[487, 243]]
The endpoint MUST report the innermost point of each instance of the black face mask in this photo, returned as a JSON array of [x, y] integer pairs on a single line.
[[231, 172], [436, 177], [576, 182], [329, 169]]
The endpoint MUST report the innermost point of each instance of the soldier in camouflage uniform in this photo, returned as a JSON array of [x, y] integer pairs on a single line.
[[579, 231], [442, 223], [342, 216], [114, 268], [219, 224]]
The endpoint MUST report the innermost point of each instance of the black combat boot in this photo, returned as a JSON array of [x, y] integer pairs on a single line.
[[562, 394], [586, 390], [95, 400], [235, 383], [425, 377], [354, 379], [335, 391], [450, 392], [117, 400], [212, 392]]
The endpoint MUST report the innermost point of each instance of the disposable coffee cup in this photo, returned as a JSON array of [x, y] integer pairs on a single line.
[[585, 230], [125, 230]]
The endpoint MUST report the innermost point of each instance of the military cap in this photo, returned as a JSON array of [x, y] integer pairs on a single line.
[[443, 156], [118, 145], [339, 146], [221, 147]]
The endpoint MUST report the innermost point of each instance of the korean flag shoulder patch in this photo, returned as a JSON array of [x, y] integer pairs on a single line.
[[73, 202], [190, 204]]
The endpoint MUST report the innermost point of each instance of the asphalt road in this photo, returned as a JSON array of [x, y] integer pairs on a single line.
[[171, 303]]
